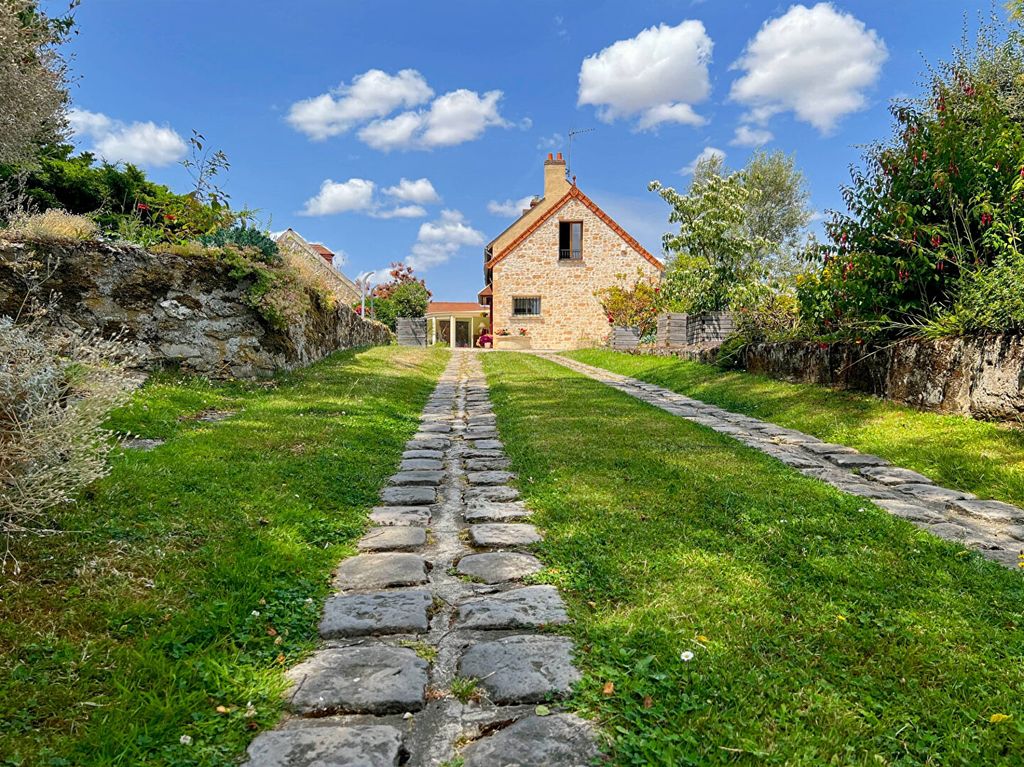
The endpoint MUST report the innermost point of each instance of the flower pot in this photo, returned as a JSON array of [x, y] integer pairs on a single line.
[[512, 342]]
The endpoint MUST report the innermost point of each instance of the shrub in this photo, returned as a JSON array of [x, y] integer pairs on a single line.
[[632, 306], [55, 393], [54, 224], [245, 237]]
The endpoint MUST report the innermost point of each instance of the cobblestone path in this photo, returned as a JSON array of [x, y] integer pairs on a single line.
[[993, 528], [435, 600]]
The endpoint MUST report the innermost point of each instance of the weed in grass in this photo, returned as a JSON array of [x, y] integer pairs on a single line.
[[425, 651]]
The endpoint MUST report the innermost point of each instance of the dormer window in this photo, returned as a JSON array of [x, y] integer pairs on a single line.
[[570, 240]]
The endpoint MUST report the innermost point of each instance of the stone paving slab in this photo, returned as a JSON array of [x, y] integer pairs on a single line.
[[393, 538], [498, 535], [486, 464], [400, 515], [409, 496], [488, 444], [417, 477], [499, 566], [526, 607], [894, 475], [501, 493], [421, 464], [493, 511], [366, 745], [489, 477], [990, 511], [436, 455], [396, 612], [359, 680], [427, 443], [530, 668], [559, 740], [381, 571]]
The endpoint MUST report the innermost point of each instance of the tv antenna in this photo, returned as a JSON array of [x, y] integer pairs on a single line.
[[568, 159]]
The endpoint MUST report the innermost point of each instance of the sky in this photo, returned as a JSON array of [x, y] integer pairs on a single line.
[[414, 131]]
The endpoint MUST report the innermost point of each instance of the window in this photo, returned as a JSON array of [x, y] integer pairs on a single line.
[[570, 240], [526, 307]]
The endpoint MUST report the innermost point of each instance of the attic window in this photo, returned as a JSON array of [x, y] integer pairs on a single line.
[[570, 240]]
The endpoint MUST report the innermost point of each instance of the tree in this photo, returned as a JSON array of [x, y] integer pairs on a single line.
[[404, 295], [33, 80], [777, 212], [714, 250]]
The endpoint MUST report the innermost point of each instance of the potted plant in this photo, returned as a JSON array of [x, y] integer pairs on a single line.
[[508, 339]]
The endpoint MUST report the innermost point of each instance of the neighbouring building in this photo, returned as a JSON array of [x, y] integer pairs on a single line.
[[542, 272], [463, 321], [320, 260]]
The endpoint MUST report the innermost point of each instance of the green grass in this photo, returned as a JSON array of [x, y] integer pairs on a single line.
[[955, 451], [198, 570], [823, 630]]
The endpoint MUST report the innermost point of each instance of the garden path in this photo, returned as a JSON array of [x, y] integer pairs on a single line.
[[993, 528], [433, 649]]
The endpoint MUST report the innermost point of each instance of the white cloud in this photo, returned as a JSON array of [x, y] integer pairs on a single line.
[[554, 141], [356, 194], [750, 136], [372, 94], [509, 208], [708, 153], [140, 143], [420, 191], [816, 62], [439, 240], [402, 211], [657, 75], [453, 118]]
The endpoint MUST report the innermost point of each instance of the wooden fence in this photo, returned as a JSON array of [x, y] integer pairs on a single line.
[[692, 329], [624, 339], [411, 331]]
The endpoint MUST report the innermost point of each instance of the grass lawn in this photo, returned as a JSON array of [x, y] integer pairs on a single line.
[[983, 458], [193, 575], [823, 630]]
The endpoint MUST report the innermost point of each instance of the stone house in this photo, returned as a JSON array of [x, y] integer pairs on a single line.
[[319, 259], [541, 273]]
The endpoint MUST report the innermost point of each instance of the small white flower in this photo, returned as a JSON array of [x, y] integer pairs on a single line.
[[185, 740], [686, 656], [256, 613]]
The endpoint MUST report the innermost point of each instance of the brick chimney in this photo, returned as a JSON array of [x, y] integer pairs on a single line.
[[555, 183]]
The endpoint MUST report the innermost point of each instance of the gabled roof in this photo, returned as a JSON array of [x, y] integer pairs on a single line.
[[574, 193]]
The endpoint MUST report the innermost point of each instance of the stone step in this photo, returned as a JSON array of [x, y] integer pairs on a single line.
[[436, 455], [359, 680], [488, 444], [894, 475], [558, 740], [400, 515], [421, 464], [395, 612], [499, 566], [435, 427], [929, 492], [427, 443], [486, 464], [526, 607], [499, 535], [393, 539], [381, 571], [367, 745], [521, 669]]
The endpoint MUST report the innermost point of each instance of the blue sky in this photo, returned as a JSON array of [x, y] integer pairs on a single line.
[[323, 108]]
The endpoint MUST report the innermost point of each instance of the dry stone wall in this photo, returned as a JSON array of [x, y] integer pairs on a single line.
[[187, 311]]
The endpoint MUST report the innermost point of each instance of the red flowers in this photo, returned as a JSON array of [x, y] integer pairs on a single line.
[[143, 206], [170, 217], [936, 240], [986, 219]]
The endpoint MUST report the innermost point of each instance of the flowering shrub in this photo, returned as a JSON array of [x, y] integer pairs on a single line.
[[632, 306], [937, 207]]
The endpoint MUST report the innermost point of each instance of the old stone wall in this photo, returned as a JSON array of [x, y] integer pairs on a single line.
[[183, 310], [980, 376], [571, 315]]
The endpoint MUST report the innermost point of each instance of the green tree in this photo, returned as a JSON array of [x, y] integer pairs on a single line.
[[714, 250], [777, 212]]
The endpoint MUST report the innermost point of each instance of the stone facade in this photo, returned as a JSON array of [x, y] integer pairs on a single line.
[[524, 263], [181, 310]]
